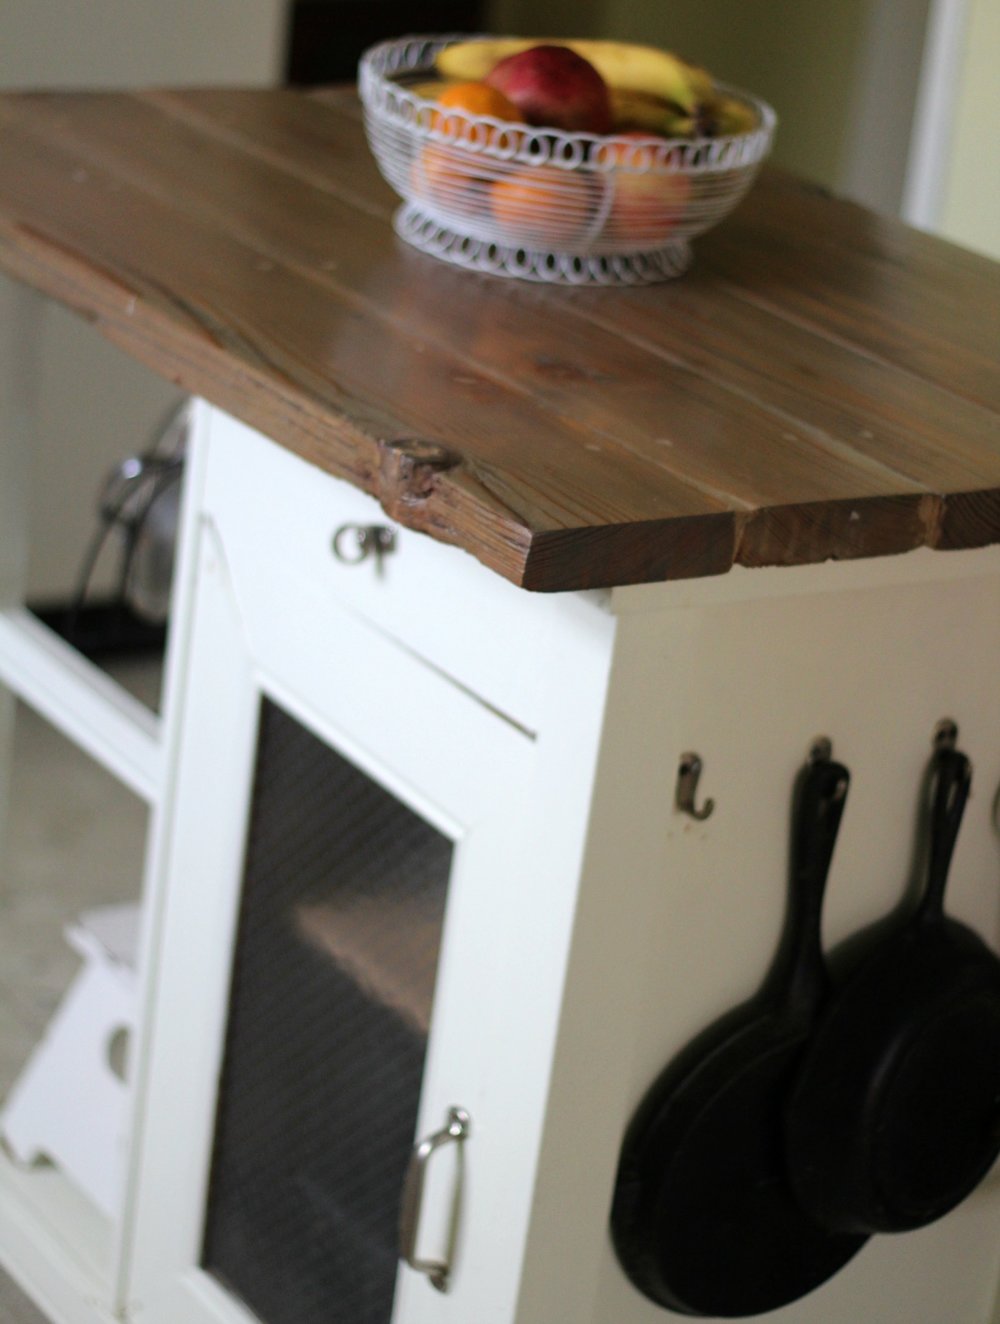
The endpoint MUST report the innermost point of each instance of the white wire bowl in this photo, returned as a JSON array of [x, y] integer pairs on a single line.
[[544, 204]]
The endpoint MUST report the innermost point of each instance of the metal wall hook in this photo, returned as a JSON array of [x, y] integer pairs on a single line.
[[946, 734], [687, 787], [821, 750]]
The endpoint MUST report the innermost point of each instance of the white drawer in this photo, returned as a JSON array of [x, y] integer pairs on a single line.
[[485, 634]]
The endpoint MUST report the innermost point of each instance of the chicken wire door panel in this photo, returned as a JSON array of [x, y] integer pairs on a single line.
[[340, 925]]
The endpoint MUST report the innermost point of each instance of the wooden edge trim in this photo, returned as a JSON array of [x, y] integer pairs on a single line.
[[876, 526], [687, 547], [967, 520]]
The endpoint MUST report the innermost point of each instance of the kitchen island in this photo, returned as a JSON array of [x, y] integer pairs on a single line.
[[507, 555]]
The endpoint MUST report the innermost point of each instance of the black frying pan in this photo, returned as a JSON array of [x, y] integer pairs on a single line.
[[895, 1116], [704, 1221]]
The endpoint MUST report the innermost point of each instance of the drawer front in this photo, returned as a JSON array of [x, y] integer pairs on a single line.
[[437, 601]]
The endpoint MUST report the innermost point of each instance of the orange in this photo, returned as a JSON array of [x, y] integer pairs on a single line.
[[450, 184], [475, 99], [543, 205], [456, 178]]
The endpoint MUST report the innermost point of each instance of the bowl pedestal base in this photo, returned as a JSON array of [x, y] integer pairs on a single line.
[[647, 267]]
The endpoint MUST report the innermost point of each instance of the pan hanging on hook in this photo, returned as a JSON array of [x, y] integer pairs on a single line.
[[895, 1117], [704, 1221]]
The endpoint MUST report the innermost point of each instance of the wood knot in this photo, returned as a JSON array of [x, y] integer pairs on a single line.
[[408, 470]]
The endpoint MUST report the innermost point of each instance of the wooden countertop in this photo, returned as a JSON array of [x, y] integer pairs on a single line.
[[822, 383]]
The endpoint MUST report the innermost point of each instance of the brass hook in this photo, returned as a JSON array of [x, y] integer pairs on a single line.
[[687, 787]]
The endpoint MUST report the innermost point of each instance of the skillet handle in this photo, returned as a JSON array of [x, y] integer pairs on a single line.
[[799, 975], [952, 774]]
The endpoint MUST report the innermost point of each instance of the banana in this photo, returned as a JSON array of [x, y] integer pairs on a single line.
[[623, 65], [658, 73], [719, 116], [471, 61], [430, 89], [639, 111], [729, 115]]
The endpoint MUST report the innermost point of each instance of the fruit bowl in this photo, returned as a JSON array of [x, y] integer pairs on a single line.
[[546, 204]]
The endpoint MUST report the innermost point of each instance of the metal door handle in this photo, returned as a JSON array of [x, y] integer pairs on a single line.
[[438, 1271]]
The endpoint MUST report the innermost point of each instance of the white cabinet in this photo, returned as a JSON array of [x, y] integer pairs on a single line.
[[269, 623], [587, 928]]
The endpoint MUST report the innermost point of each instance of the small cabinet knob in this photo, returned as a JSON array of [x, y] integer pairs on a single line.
[[354, 543]]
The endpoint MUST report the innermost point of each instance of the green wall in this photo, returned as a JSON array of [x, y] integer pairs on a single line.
[[800, 58]]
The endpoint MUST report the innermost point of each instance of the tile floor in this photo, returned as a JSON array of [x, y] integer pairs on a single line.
[[74, 838], [15, 1308]]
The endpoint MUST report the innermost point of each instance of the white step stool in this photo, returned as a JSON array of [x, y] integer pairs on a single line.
[[69, 1103]]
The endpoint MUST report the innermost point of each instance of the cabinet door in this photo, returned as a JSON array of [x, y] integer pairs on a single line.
[[335, 890]]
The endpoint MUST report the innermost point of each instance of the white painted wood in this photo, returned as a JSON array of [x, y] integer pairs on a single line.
[[590, 929], [183, 1017], [919, 567], [436, 600], [516, 963], [404, 724], [70, 1259], [55, 1245], [68, 1106], [175, 683], [677, 919], [84, 702], [930, 145]]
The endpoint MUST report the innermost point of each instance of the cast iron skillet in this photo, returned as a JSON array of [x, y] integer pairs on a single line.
[[895, 1115], [704, 1221]]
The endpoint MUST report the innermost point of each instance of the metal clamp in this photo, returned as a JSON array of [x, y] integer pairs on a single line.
[[687, 787], [376, 540], [438, 1271]]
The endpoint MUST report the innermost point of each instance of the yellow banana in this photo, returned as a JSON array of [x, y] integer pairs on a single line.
[[638, 110], [430, 89], [622, 65], [729, 115], [471, 61], [658, 73]]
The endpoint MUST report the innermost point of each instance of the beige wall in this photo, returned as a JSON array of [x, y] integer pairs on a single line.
[[970, 211], [118, 43], [843, 78], [801, 58], [97, 405]]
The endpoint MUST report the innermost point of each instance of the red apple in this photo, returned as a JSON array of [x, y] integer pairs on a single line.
[[647, 203], [552, 85]]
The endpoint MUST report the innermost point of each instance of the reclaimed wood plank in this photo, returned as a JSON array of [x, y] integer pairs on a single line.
[[926, 305], [683, 422], [904, 297], [212, 305], [839, 392], [589, 437]]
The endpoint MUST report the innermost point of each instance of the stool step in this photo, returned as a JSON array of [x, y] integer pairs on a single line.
[[69, 1104], [111, 932]]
